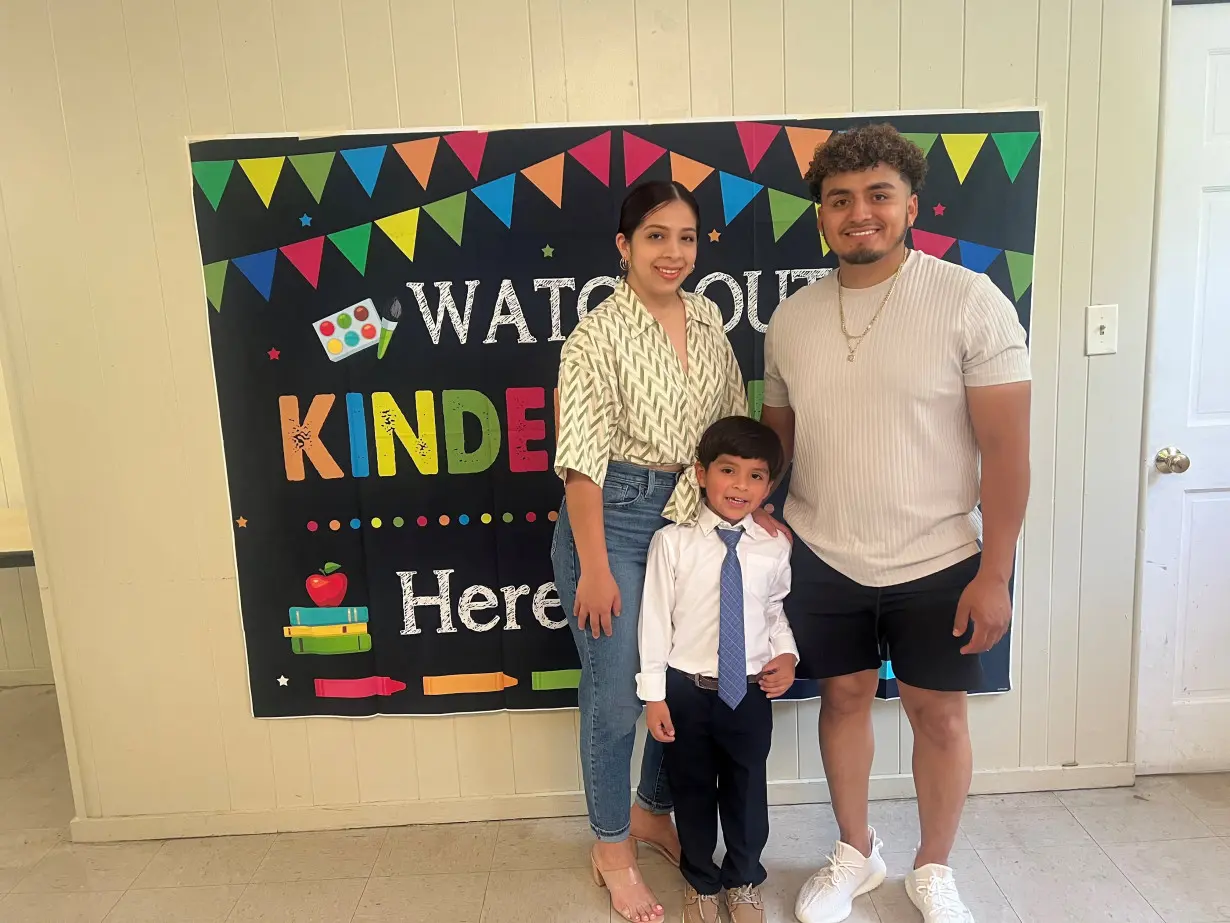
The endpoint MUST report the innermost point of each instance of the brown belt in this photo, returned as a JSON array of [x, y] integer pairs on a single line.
[[711, 683]]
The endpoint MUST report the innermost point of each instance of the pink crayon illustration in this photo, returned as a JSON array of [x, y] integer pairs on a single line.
[[357, 688]]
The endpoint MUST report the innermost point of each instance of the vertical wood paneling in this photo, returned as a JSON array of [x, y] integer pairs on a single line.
[[19, 655], [807, 725], [932, 53], [877, 56], [819, 55], [36, 625], [662, 48], [311, 51], [1001, 53], [368, 29], [784, 754], [547, 48], [386, 758], [495, 61], [292, 762], [886, 718], [252, 73], [544, 750], [425, 59], [600, 60], [12, 493], [709, 58], [204, 65], [435, 742], [485, 755], [331, 748], [757, 29]]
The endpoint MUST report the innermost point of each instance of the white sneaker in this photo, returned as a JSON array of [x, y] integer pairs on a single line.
[[934, 892], [828, 896]]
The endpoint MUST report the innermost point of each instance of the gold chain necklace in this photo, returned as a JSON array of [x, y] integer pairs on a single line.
[[854, 342]]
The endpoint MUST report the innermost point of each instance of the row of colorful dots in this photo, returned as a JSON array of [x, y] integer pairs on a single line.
[[462, 520]]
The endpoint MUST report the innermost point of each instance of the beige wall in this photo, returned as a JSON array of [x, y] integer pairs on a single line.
[[105, 323]]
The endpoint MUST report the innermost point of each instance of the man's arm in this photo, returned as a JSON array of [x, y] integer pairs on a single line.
[[781, 421]]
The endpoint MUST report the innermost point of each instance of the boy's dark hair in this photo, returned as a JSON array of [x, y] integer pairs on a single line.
[[861, 149], [742, 437]]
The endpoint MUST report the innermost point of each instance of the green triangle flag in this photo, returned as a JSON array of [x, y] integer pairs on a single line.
[[212, 176], [1021, 269], [215, 280], [785, 210], [921, 139], [450, 214], [313, 169], [1014, 147], [353, 244]]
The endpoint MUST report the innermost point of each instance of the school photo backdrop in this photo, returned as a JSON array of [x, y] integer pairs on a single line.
[[386, 313]]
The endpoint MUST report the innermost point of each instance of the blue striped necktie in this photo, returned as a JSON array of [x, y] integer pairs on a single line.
[[732, 656]]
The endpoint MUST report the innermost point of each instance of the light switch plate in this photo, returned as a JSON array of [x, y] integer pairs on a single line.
[[1102, 330]]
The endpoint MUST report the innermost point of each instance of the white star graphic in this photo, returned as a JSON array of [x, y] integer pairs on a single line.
[[282, 680]]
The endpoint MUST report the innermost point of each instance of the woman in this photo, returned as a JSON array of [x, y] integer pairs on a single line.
[[641, 377]]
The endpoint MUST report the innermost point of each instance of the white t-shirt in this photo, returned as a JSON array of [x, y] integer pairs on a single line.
[[885, 484]]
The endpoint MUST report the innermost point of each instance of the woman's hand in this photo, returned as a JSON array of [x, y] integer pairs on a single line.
[[597, 601], [763, 519]]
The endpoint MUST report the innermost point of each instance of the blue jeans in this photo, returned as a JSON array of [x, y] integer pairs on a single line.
[[632, 502]]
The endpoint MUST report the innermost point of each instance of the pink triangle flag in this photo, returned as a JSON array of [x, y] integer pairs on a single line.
[[932, 244], [469, 147], [756, 138], [595, 156], [639, 156], [305, 257]]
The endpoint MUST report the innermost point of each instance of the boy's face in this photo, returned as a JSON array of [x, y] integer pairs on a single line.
[[734, 486]]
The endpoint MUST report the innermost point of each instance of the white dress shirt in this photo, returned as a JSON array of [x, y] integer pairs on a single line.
[[680, 608]]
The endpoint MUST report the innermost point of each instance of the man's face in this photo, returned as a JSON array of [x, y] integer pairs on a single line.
[[864, 215]]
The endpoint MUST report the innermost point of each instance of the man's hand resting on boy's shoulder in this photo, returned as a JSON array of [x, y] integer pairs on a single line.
[[658, 718], [777, 675]]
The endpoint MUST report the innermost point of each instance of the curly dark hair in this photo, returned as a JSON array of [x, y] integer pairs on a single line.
[[863, 148]]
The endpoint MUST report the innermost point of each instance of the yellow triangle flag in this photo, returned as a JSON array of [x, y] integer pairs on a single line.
[[548, 176], [963, 151], [824, 244], [803, 142], [689, 172], [402, 229], [263, 173]]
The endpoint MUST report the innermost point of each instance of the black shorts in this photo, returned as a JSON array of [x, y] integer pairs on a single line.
[[843, 627]]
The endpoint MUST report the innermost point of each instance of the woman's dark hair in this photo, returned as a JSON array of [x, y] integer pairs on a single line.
[[647, 198], [742, 437]]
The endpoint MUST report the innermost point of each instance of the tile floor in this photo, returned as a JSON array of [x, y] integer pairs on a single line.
[[1158, 852]]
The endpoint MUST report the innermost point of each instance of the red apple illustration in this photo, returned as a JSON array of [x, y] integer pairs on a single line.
[[327, 588]]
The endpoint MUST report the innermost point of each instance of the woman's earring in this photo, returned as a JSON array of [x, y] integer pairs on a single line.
[[623, 264]]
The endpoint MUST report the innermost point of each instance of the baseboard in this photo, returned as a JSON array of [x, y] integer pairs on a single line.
[[40, 677], [561, 804]]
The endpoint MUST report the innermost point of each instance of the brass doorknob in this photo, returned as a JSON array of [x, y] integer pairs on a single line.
[[1171, 461]]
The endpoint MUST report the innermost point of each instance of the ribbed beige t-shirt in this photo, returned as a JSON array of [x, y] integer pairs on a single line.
[[885, 484]]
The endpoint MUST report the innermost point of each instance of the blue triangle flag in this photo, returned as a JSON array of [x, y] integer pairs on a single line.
[[258, 269], [498, 196], [365, 164], [976, 256], [736, 193]]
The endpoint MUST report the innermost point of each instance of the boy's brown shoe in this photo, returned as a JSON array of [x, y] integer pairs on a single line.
[[745, 905], [699, 908]]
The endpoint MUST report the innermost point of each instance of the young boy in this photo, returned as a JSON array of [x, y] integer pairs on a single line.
[[715, 648]]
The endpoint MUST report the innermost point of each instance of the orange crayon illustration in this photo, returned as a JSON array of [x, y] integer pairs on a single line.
[[461, 683]]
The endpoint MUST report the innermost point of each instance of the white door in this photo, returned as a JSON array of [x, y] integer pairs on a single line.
[[1183, 712]]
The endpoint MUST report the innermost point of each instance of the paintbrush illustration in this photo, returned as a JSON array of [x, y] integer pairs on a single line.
[[388, 324]]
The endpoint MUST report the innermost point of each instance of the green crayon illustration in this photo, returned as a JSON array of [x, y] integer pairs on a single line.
[[549, 680], [388, 324]]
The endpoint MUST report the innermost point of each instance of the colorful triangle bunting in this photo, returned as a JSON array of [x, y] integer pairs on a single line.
[[1021, 270], [257, 268], [353, 244], [313, 169], [419, 156], [804, 141], [305, 257], [978, 257], [595, 156], [936, 245], [1014, 147], [963, 151], [498, 196], [824, 244], [785, 209], [469, 147], [215, 282], [924, 140], [212, 176], [691, 173], [403, 230], [639, 156], [365, 163], [548, 176], [450, 214], [756, 138], [736, 193], [263, 173]]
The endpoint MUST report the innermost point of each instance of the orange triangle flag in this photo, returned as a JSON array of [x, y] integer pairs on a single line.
[[419, 156], [804, 141], [689, 172], [548, 176]]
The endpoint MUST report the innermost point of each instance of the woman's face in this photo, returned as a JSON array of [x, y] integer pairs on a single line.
[[662, 251]]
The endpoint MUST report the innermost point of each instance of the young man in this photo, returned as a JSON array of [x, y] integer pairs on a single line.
[[715, 647], [900, 386]]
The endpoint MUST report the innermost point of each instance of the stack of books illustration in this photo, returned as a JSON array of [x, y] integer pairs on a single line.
[[328, 627]]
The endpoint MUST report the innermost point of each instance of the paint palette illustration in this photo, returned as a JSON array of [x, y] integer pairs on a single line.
[[349, 331]]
